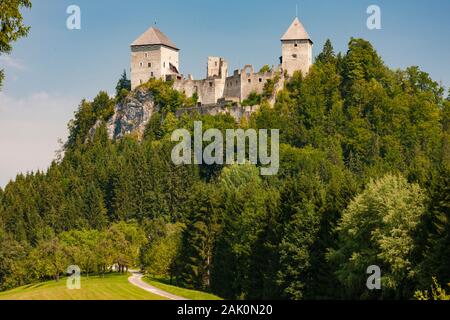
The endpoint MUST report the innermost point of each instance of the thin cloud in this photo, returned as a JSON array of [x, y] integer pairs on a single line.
[[30, 127], [13, 63]]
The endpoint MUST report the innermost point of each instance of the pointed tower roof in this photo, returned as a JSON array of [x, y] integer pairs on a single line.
[[296, 32], [153, 36]]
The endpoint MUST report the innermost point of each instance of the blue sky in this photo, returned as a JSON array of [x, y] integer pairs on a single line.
[[49, 72]]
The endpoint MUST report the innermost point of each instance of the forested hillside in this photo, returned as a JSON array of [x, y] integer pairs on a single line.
[[363, 180]]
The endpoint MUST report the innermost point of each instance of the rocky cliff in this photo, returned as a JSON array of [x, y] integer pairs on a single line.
[[132, 114]]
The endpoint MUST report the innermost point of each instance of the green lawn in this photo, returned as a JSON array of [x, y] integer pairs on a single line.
[[181, 292], [111, 287]]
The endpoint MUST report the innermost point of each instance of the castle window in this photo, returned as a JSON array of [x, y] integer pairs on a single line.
[[151, 74], [249, 80], [210, 84], [146, 55], [295, 45], [294, 56], [149, 65], [260, 79], [141, 64], [215, 63], [164, 64]]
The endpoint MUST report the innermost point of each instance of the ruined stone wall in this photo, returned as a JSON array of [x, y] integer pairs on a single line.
[[208, 90], [236, 112], [254, 82], [233, 86], [243, 82], [216, 67]]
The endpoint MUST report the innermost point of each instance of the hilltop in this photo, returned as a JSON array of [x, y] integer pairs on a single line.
[[363, 181]]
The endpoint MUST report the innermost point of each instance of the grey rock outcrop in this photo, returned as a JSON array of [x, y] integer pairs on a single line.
[[132, 115]]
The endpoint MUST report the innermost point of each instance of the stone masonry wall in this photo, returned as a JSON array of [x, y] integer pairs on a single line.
[[297, 55], [208, 90], [151, 61], [145, 60], [237, 112]]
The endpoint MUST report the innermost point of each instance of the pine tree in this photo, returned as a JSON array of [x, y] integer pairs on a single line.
[[245, 212], [94, 207], [327, 55], [198, 240], [123, 84], [302, 203], [438, 252]]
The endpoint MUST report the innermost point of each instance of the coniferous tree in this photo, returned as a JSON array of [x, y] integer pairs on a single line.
[[327, 55], [302, 204], [123, 84], [198, 239], [438, 251]]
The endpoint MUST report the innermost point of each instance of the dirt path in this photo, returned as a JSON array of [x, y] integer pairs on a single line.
[[136, 279]]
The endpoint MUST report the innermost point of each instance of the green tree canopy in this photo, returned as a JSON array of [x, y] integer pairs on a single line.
[[11, 25], [378, 228]]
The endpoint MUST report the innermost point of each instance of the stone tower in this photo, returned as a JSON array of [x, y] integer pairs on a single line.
[[296, 48], [153, 55], [217, 68]]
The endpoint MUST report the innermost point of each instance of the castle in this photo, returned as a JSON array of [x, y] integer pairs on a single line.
[[154, 55]]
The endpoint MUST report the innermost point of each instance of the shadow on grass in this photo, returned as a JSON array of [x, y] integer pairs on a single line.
[[163, 283]]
